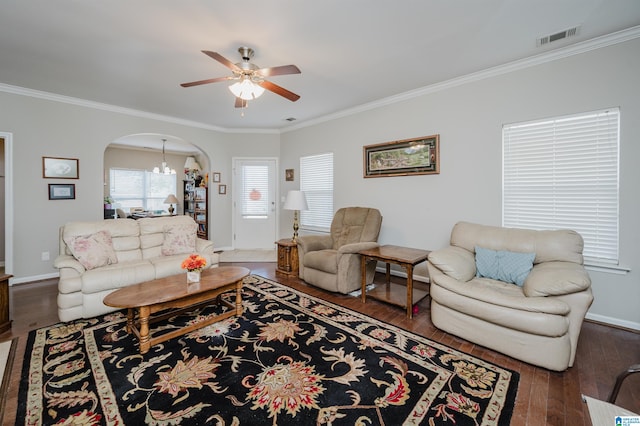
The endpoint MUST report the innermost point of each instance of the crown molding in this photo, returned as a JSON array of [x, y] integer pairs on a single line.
[[17, 90], [554, 55]]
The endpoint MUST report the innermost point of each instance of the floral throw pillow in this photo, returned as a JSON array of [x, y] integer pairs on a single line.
[[179, 239], [92, 251]]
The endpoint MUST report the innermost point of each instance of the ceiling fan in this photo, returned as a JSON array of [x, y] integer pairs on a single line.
[[250, 80]]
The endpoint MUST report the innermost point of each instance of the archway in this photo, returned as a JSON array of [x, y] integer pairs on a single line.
[[144, 151]]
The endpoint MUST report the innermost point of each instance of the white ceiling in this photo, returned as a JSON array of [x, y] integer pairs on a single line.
[[135, 53]]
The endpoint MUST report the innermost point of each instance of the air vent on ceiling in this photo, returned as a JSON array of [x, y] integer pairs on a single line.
[[557, 36], [290, 119]]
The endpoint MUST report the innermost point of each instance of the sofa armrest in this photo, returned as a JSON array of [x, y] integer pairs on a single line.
[[204, 246], [314, 242], [356, 247], [66, 261], [556, 278], [456, 262]]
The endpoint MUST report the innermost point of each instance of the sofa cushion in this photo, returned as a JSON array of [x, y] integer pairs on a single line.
[[502, 265], [322, 260], [111, 277], [179, 239], [94, 250]]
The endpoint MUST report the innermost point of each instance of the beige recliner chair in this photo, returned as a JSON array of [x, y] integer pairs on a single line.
[[332, 261], [537, 317]]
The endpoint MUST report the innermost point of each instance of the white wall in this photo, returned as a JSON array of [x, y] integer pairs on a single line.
[[48, 128], [419, 211]]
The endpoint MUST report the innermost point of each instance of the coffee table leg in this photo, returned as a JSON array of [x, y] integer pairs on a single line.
[[130, 316], [239, 298], [145, 344]]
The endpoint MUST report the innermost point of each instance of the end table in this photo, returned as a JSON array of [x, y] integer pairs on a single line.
[[394, 293], [287, 257]]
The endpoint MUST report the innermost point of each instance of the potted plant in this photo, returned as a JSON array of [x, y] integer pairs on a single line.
[[108, 202]]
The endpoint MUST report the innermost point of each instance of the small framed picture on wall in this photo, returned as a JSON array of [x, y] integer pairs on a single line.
[[62, 191], [288, 175], [222, 189]]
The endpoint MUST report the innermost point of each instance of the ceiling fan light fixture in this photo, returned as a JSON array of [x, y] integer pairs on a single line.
[[246, 89]]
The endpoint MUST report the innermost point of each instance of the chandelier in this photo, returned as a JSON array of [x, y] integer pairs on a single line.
[[165, 169]]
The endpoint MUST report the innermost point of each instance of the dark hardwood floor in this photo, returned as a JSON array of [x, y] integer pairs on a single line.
[[544, 397]]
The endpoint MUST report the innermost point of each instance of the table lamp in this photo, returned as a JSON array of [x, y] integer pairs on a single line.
[[171, 200], [295, 201]]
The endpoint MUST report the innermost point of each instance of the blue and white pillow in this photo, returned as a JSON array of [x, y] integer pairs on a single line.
[[501, 265]]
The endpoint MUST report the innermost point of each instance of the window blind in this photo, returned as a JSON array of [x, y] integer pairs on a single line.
[[562, 173], [316, 181], [255, 191], [141, 188]]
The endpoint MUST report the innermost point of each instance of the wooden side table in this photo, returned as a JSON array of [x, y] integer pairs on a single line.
[[287, 257], [5, 320], [394, 293]]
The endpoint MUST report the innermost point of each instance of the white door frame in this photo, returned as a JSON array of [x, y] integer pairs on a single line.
[[8, 202], [234, 184]]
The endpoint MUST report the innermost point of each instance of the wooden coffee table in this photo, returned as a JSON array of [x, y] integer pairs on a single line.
[[173, 292], [391, 292]]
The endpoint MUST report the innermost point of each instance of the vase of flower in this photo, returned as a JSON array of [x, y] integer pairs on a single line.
[[193, 277], [194, 264]]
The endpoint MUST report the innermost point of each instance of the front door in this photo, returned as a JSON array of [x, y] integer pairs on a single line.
[[254, 203]]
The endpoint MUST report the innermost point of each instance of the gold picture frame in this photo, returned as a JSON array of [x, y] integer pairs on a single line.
[[417, 156]]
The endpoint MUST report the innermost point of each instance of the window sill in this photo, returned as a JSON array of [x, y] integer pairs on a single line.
[[610, 269]]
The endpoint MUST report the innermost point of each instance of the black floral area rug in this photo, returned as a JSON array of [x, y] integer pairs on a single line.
[[290, 359]]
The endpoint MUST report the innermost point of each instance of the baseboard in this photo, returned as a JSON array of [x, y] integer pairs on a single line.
[[402, 273], [616, 322], [33, 278]]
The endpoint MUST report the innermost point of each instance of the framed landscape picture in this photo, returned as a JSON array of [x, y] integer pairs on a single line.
[[419, 156], [60, 168]]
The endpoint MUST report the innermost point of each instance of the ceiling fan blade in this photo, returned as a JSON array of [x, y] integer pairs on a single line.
[[281, 70], [241, 103], [279, 90], [224, 61], [211, 80]]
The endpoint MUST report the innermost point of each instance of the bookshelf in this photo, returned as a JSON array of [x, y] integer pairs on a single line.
[[195, 205]]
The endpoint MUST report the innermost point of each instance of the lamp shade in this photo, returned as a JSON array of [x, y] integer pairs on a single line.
[[171, 199], [246, 89], [191, 164], [296, 200]]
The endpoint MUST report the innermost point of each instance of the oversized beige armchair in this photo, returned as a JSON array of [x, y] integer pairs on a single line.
[[332, 261], [517, 291]]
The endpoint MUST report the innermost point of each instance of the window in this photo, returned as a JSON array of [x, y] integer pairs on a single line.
[[563, 173], [255, 181], [316, 181], [140, 188]]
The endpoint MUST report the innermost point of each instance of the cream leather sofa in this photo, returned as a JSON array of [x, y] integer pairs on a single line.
[[538, 322], [115, 253]]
